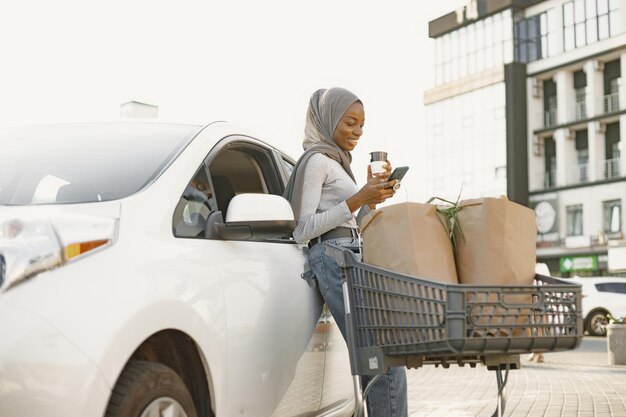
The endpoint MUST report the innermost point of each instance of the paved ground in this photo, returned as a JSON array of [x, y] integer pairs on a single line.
[[575, 383]]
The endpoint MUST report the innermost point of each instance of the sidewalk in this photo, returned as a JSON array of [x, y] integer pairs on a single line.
[[574, 383]]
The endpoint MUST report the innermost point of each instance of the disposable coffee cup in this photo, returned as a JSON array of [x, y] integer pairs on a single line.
[[378, 162]]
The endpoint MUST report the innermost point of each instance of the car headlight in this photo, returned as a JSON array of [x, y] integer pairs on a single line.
[[30, 245]]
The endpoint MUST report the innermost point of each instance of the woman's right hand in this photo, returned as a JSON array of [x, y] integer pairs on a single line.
[[376, 191]]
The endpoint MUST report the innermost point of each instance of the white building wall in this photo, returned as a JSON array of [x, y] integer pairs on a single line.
[[467, 144], [592, 199]]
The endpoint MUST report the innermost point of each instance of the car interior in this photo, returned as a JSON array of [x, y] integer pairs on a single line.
[[241, 168]]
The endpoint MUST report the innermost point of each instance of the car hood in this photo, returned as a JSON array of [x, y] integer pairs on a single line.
[[109, 209]]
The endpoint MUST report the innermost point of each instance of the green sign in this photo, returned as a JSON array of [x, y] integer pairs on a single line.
[[579, 263]]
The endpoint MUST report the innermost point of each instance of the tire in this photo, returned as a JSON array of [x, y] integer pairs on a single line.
[[596, 323], [148, 386]]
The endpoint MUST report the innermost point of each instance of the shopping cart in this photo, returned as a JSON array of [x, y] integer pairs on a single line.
[[399, 320]]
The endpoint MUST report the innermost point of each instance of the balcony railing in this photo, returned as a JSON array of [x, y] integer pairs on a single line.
[[610, 168], [610, 103], [549, 179], [577, 174], [549, 118], [580, 110]]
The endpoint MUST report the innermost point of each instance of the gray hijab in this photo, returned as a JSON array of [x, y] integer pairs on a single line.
[[326, 108]]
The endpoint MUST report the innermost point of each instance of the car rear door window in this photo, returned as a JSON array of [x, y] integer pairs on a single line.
[[615, 287]]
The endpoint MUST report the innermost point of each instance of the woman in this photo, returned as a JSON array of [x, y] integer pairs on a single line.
[[324, 195]]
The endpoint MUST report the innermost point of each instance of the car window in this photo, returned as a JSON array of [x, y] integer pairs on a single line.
[[616, 287], [239, 168], [288, 167], [194, 206], [85, 162]]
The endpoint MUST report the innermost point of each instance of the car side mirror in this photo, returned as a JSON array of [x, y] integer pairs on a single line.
[[257, 216]]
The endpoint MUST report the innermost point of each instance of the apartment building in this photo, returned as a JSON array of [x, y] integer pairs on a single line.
[[554, 113]]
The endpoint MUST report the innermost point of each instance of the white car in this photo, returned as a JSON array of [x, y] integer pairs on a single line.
[[147, 270], [602, 296]]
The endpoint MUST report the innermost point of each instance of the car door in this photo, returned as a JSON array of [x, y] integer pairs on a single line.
[[275, 350], [337, 390]]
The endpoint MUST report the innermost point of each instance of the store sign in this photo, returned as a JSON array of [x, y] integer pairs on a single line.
[[546, 211], [579, 263]]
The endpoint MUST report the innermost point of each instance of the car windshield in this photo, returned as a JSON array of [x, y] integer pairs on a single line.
[[85, 163]]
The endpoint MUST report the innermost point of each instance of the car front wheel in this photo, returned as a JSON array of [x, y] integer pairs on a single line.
[[148, 389], [596, 323]]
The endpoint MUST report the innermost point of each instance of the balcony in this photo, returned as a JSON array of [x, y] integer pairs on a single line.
[[610, 169], [610, 103], [549, 179], [580, 111], [549, 118], [577, 174]]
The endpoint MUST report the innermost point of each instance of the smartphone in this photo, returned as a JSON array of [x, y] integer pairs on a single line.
[[398, 174]]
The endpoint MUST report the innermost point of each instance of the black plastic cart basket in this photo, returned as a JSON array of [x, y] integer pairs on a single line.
[[399, 320]]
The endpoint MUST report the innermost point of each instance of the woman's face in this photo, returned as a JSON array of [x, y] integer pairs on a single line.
[[350, 128]]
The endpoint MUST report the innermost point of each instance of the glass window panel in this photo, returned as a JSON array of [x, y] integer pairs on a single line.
[[575, 220], [497, 29], [454, 44], [471, 38], [480, 59], [544, 47], [615, 225], [603, 7], [568, 14], [543, 22], [507, 51], [497, 54], [579, 11], [507, 25], [463, 65], [454, 69], [613, 4], [581, 38], [603, 27], [471, 63], [568, 38], [480, 35], [592, 30], [591, 8], [489, 56], [613, 24]]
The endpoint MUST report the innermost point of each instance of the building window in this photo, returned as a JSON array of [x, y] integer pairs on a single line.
[[481, 45], [587, 21], [612, 167], [612, 75], [549, 103], [575, 220], [612, 216], [580, 87], [549, 163], [582, 157], [531, 38]]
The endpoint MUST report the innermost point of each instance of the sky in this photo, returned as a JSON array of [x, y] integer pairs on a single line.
[[254, 63]]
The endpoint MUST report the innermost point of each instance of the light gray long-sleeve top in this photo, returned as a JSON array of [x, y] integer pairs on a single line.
[[327, 186]]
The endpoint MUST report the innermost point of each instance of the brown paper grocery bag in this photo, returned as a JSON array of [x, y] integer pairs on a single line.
[[411, 239], [498, 244], [498, 247], [407, 238]]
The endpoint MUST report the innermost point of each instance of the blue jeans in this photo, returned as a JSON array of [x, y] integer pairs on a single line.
[[388, 397]]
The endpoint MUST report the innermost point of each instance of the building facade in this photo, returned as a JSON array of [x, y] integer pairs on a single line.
[[536, 110]]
